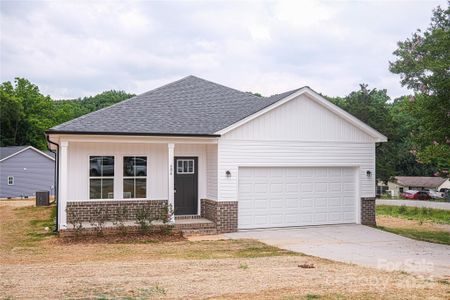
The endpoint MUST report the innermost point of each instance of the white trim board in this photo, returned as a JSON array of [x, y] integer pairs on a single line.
[[311, 94], [25, 149]]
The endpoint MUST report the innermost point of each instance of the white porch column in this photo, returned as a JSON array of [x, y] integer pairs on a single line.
[[171, 188], [63, 185]]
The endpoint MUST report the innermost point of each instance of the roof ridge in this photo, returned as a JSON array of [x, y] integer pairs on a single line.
[[115, 104], [221, 85]]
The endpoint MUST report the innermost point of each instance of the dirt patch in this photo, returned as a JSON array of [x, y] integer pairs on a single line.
[[46, 268], [267, 278], [393, 222], [129, 238]]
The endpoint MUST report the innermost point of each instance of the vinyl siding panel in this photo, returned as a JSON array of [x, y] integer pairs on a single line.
[[32, 172], [157, 172], [233, 154], [300, 119]]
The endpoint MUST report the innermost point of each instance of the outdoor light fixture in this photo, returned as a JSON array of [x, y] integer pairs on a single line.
[[228, 173], [369, 173]]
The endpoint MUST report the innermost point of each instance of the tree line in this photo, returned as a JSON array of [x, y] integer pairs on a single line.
[[417, 126]]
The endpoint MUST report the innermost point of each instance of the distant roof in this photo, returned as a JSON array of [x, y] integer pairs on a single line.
[[189, 106], [8, 151], [11, 150], [420, 181]]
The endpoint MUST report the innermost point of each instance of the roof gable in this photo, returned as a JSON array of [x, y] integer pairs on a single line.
[[317, 98], [189, 106], [9, 152]]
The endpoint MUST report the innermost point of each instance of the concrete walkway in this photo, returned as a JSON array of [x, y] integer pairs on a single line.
[[415, 203], [359, 244]]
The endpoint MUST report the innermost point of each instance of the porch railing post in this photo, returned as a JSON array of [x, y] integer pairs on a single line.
[[171, 170]]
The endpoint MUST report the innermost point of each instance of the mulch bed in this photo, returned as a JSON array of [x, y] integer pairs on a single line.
[[129, 238]]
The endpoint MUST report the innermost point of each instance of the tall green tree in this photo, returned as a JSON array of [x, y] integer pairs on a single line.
[[423, 62], [25, 114], [371, 106]]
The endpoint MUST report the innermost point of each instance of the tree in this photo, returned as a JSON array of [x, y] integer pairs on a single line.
[[25, 114], [423, 62]]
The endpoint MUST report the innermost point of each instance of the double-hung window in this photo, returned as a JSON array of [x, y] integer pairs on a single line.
[[135, 177], [101, 177], [10, 180]]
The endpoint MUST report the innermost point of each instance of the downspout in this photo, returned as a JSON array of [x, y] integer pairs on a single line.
[[56, 180]]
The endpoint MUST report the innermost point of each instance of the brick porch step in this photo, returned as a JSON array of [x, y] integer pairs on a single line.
[[195, 226]]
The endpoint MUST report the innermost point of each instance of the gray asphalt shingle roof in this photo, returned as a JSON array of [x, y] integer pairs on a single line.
[[189, 106], [7, 151], [10, 150]]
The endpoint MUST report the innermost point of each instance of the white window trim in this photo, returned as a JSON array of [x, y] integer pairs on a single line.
[[183, 161], [135, 177], [12, 181], [100, 177]]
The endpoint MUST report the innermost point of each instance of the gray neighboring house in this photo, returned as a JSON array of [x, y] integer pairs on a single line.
[[25, 170]]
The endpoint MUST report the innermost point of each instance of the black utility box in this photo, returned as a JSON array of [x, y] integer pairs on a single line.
[[43, 198]]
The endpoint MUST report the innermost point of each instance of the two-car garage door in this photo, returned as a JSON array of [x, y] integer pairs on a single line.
[[294, 196]]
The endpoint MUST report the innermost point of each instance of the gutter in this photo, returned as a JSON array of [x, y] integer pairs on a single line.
[[56, 180], [130, 133]]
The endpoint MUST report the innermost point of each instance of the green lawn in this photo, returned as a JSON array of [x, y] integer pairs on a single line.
[[439, 216], [416, 217], [439, 237]]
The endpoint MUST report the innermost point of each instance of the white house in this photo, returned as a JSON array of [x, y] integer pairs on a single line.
[[239, 160]]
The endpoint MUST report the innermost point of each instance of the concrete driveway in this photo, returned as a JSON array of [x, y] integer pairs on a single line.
[[415, 203], [360, 245]]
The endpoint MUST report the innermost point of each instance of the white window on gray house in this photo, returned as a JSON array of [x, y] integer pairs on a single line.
[[101, 177], [134, 176], [185, 166], [10, 180]]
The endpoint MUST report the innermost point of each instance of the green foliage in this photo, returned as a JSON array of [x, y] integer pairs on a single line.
[[25, 114], [423, 62], [440, 237]]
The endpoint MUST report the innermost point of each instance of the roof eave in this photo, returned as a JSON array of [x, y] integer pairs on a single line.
[[50, 132]]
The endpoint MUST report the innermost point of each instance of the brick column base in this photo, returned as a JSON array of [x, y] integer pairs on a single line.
[[368, 211], [223, 213]]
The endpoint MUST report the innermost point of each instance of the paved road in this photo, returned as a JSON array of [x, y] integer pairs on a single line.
[[415, 203], [359, 244]]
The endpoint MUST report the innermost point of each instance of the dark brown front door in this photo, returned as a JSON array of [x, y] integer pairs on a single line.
[[186, 185]]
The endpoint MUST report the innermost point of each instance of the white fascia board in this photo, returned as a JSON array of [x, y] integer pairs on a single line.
[[319, 99]]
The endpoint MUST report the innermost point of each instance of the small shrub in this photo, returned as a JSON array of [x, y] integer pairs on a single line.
[[402, 209], [144, 220], [243, 266], [75, 220], [166, 213], [119, 220], [99, 218]]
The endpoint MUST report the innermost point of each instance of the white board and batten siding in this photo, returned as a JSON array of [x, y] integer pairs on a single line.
[[299, 133], [157, 172]]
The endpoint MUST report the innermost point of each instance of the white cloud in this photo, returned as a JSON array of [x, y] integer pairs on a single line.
[[79, 48]]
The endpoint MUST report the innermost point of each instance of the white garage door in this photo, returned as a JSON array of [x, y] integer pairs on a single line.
[[281, 197]]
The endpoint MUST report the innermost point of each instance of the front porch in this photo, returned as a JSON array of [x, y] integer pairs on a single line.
[[123, 175]]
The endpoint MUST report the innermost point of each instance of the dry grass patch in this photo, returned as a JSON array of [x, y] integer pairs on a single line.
[[416, 229], [45, 268]]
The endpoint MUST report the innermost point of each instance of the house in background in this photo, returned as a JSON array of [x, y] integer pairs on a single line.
[[24, 170], [401, 184], [236, 159]]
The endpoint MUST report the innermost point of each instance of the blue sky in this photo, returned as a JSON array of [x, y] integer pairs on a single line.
[[79, 48]]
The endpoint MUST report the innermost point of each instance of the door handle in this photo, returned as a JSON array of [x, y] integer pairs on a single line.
[[174, 190]]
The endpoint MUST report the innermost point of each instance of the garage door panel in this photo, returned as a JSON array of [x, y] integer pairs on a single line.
[[278, 197]]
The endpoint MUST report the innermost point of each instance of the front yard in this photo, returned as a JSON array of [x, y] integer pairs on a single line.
[[36, 264], [425, 224]]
